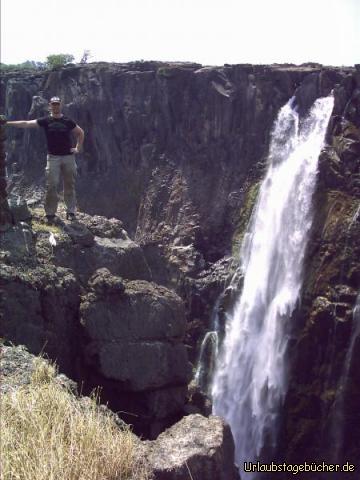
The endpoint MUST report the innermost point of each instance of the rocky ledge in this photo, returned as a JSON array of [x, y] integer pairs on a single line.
[[197, 447], [82, 293]]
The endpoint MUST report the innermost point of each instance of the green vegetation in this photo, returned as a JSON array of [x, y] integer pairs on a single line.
[[244, 217], [28, 65], [59, 60], [46, 432], [38, 226], [52, 61]]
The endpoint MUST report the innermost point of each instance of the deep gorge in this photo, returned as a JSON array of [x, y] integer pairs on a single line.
[[176, 153]]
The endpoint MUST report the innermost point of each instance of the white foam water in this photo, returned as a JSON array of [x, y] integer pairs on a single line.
[[250, 380], [338, 415], [208, 354]]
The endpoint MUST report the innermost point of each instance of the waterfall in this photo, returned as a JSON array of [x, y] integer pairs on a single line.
[[250, 381], [206, 364], [208, 353], [338, 417], [209, 348], [355, 334]]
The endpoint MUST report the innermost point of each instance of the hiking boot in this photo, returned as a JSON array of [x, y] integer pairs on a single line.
[[70, 216], [50, 219]]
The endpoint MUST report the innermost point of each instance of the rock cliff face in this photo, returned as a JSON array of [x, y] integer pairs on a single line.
[[89, 303], [173, 150], [5, 218], [168, 148], [176, 151]]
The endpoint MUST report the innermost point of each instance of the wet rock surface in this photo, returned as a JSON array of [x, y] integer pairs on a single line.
[[176, 151], [5, 214], [321, 420]]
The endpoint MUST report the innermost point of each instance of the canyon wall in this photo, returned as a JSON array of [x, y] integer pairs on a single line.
[[176, 152]]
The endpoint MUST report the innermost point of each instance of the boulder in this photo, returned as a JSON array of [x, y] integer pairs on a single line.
[[79, 234], [140, 366], [103, 227], [104, 284], [197, 447]]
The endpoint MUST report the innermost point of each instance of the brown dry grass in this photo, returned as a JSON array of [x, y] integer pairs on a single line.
[[48, 434]]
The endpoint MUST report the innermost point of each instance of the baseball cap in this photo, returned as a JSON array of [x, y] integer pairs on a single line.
[[55, 100]]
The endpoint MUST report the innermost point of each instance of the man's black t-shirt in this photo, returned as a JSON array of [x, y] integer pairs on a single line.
[[57, 131]]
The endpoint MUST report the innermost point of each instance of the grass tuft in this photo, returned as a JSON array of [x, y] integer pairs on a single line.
[[48, 434], [38, 226]]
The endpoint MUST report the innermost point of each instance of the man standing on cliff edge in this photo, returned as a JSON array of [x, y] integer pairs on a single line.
[[61, 156]]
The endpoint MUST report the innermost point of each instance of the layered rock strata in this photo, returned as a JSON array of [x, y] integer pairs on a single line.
[[65, 297], [176, 152], [170, 148], [133, 344]]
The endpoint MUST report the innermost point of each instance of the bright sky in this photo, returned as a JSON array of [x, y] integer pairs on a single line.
[[211, 32]]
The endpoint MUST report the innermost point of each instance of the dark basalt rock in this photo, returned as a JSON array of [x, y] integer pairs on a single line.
[[79, 234], [171, 148], [39, 308], [177, 152], [179, 139], [5, 215], [18, 209], [88, 244], [126, 336], [133, 345], [17, 366], [103, 284]]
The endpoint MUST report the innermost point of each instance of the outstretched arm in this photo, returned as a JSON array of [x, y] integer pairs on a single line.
[[23, 124], [79, 134]]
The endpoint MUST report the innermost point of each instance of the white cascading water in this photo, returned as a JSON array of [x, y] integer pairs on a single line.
[[251, 380], [338, 416], [209, 348], [208, 354], [206, 364]]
